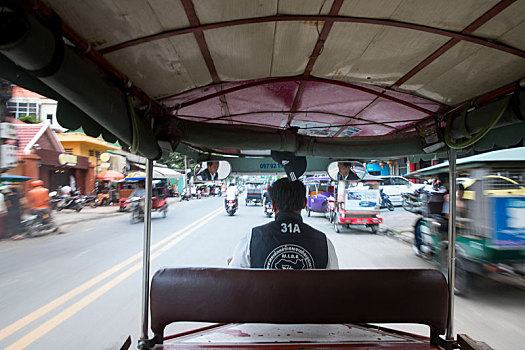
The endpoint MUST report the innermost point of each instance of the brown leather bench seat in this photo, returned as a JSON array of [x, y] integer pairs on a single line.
[[298, 297]]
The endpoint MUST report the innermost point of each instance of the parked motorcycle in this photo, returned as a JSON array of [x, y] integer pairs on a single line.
[[268, 209], [90, 200], [231, 206], [75, 202], [38, 222], [385, 201], [415, 202], [54, 199]]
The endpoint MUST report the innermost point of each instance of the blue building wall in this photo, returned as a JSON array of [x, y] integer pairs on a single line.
[[376, 167]]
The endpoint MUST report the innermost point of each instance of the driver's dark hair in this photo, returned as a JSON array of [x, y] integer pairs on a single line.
[[288, 196]]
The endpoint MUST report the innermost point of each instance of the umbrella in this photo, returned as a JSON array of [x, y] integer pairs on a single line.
[[14, 178], [136, 176], [110, 175]]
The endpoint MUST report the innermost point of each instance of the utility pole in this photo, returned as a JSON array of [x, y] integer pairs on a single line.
[[5, 95], [186, 173], [7, 152]]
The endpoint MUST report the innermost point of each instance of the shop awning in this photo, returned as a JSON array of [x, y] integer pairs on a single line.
[[163, 172]]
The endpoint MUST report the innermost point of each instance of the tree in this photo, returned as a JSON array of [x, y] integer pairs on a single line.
[[30, 119], [176, 161]]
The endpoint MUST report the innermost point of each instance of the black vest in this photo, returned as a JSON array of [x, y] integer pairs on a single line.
[[288, 243]]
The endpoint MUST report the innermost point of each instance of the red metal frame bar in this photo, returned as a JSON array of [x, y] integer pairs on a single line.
[[306, 79], [452, 42], [297, 112], [480, 101], [193, 331], [318, 48], [325, 18], [205, 51], [360, 221], [370, 105]]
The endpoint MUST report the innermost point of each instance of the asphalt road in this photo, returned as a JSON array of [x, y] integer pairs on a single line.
[[81, 289]]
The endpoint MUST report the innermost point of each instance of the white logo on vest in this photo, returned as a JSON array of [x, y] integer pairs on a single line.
[[289, 257]]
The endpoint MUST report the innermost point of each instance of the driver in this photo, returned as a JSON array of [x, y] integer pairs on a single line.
[[210, 173], [287, 242], [38, 201], [140, 192], [345, 171]]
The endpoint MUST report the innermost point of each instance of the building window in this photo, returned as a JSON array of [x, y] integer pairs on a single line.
[[68, 150], [19, 109], [91, 153]]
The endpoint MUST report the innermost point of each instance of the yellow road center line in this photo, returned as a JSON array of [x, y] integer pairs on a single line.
[[32, 317], [73, 309]]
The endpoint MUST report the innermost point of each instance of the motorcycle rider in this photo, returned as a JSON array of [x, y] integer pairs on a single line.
[[287, 242], [140, 192], [266, 199], [37, 200], [232, 194]]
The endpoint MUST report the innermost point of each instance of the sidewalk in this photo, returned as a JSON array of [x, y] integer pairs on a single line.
[[88, 213]]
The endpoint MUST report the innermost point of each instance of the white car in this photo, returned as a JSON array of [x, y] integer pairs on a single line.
[[394, 186]]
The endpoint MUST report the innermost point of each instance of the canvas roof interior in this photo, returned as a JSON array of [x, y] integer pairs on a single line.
[[333, 69]]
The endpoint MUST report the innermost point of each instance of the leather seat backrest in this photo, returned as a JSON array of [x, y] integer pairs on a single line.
[[302, 296]]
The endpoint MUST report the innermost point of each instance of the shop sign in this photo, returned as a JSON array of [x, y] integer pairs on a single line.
[[105, 157], [67, 159]]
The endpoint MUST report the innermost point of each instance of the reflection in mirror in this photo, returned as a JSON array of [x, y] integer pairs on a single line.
[[212, 170], [348, 170]]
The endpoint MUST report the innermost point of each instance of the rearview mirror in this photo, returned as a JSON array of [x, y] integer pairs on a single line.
[[212, 170], [348, 170]]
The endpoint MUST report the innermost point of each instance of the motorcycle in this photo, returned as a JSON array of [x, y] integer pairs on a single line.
[[385, 201], [90, 200], [268, 209], [415, 202], [158, 204], [75, 202], [231, 206], [54, 199], [39, 221], [185, 196], [137, 212]]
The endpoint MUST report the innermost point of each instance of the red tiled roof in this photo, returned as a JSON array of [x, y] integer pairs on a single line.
[[20, 92], [25, 133]]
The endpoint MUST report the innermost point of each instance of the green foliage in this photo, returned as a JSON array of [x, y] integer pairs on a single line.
[[30, 119], [176, 161]]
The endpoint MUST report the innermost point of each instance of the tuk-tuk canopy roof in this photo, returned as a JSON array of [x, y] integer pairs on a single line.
[[489, 159], [232, 75]]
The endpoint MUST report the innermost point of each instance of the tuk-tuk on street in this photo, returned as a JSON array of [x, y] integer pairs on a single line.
[[318, 191], [356, 203], [254, 192], [490, 224], [278, 86]]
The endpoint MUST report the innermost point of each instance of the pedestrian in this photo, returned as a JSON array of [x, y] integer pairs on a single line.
[[3, 212], [14, 212]]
